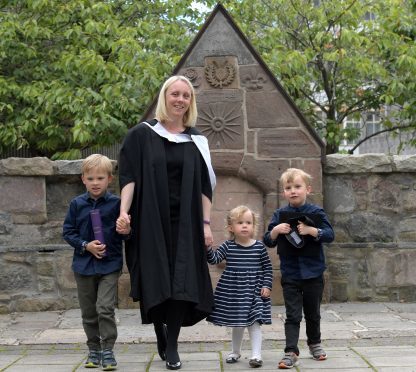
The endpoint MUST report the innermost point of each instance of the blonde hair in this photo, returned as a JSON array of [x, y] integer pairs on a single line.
[[97, 161], [291, 173], [235, 213], [189, 119]]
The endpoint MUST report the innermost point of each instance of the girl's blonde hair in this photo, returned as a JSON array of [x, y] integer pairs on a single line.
[[235, 213], [291, 173], [99, 162], [189, 119]]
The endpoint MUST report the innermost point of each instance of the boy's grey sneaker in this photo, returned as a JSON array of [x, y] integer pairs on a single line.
[[108, 361], [93, 359], [317, 352], [289, 360]]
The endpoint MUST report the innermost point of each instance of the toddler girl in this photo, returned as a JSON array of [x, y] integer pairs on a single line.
[[242, 296]]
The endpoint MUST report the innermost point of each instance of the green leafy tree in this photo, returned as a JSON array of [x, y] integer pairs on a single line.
[[76, 74], [344, 57], [79, 73]]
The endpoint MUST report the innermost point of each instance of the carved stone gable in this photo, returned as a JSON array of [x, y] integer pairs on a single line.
[[254, 129]]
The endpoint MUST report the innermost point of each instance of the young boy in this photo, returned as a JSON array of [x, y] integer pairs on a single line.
[[298, 230], [96, 264]]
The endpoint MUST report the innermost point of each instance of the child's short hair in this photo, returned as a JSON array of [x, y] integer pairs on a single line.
[[235, 213], [97, 161], [291, 173]]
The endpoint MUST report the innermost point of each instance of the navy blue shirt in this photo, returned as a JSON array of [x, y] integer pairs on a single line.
[[77, 229], [302, 267]]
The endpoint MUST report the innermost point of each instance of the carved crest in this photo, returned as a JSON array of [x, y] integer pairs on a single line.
[[219, 76]]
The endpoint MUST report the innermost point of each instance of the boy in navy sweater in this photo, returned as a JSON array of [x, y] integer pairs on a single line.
[[96, 264], [298, 230]]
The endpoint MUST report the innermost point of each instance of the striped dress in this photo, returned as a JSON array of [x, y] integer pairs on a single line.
[[237, 297]]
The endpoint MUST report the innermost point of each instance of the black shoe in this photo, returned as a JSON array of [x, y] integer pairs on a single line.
[[161, 331], [176, 365]]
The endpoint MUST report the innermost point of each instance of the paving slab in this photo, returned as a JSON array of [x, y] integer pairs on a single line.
[[55, 336], [5, 340], [393, 361], [6, 360], [371, 317], [358, 307], [401, 307], [390, 325], [51, 359], [376, 351], [357, 337], [391, 356], [387, 333], [40, 368]]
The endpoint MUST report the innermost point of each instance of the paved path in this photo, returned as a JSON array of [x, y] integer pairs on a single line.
[[357, 337]]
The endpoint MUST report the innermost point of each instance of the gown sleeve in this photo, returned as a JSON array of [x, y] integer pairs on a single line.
[[205, 180], [129, 163]]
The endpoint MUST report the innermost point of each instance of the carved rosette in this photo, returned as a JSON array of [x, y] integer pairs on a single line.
[[193, 77], [220, 75], [219, 123]]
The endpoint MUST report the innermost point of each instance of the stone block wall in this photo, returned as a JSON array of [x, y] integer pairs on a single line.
[[370, 199], [35, 262]]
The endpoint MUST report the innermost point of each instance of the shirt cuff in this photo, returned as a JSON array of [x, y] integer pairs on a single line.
[[319, 236]]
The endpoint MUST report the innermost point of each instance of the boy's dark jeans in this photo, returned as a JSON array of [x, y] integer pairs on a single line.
[[307, 295], [97, 296]]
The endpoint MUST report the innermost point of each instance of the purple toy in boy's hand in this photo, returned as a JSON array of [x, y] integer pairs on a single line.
[[97, 225]]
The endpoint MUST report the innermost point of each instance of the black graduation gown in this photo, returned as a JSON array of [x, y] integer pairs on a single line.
[[154, 277]]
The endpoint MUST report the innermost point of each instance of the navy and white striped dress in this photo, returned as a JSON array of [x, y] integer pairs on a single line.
[[238, 302]]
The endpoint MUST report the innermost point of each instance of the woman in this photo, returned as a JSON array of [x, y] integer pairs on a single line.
[[166, 183]]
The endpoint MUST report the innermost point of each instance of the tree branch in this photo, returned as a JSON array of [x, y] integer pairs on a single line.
[[351, 151]]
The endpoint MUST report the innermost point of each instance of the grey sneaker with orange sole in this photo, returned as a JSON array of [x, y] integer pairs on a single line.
[[317, 352], [289, 360]]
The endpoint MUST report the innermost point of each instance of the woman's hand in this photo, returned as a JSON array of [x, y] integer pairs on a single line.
[[209, 240], [123, 224]]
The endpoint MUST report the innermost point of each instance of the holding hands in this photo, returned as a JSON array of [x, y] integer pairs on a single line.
[[123, 224], [265, 292], [209, 240]]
